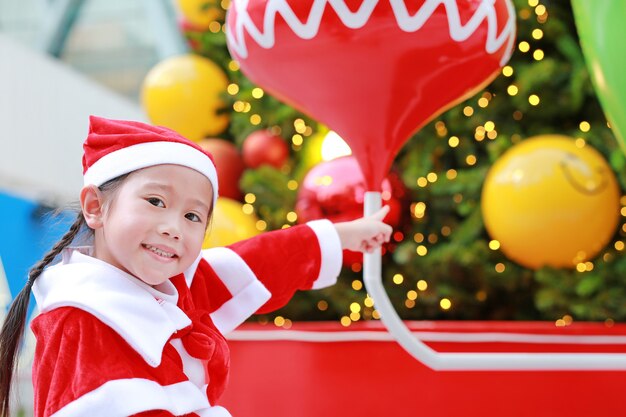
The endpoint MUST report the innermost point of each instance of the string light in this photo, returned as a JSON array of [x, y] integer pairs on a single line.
[[322, 305], [299, 124], [471, 160], [537, 34], [238, 106], [233, 66], [249, 198], [345, 321], [247, 209], [451, 174], [533, 99], [292, 185], [255, 119], [261, 225], [422, 285], [500, 267], [507, 71], [292, 216], [468, 111], [421, 250], [481, 295], [441, 129], [215, 27], [411, 295], [297, 139], [524, 14], [538, 55], [446, 230], [257, 92], [453, 142], [512, 90], [540, 10], [431, 177], [419, 210], [524, 46], [357, 285], [398, 279], [232, 89], [584, 126], [445, 304], [418, 237], [494, 245]]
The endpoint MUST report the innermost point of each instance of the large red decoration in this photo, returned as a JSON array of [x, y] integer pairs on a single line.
[[373, 71]]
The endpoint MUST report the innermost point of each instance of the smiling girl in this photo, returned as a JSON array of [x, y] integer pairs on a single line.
[[133, 323]]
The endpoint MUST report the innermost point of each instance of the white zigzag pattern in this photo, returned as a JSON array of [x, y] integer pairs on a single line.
[[307, 30]]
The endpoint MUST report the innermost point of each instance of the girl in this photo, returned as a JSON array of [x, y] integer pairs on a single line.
[[133, 323]]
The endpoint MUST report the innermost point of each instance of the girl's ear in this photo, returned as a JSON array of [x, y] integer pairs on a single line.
[[92, 205]]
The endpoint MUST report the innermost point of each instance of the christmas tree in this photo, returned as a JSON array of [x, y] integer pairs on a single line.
[[442, 263]]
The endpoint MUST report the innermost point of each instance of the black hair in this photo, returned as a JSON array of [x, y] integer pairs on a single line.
[[13, 327]]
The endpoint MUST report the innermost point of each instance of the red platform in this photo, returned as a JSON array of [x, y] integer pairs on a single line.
[[324, 369]]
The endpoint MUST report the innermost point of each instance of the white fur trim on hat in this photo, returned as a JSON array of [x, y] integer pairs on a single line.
[[143, 155]]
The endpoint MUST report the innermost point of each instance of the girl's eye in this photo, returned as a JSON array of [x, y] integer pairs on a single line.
[[193, 217], [157, 202]]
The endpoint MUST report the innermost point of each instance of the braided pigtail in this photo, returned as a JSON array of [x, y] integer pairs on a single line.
[[13, 327]]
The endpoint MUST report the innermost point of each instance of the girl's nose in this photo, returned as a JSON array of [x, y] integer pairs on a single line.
[[171, 228]]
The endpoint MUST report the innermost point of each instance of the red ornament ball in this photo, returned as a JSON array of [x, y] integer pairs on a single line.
[[229, 166], [262, 147], [335, 190]]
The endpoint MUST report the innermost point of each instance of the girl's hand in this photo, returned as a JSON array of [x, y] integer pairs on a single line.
[[365, 234]]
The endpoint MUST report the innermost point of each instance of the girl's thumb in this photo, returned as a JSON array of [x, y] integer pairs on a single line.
[[380, 214]]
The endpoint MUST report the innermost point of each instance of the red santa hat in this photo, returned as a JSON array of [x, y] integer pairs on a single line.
[[117, 147]]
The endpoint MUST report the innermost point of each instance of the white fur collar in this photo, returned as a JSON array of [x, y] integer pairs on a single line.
[[145, 317]]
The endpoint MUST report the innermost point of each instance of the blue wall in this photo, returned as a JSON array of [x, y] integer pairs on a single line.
[[27, 232]]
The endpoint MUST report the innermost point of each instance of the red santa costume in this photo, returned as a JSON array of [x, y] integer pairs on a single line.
[[109, 344]]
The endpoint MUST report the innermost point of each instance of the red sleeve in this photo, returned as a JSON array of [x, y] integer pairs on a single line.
[[261, 274], [284, 261]]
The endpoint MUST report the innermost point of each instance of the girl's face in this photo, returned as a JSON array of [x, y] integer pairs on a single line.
[[154, 225]]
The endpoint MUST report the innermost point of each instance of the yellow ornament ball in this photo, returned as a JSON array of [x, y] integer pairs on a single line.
[[184, 94], [201, 13], [551, 201], [229, 224]]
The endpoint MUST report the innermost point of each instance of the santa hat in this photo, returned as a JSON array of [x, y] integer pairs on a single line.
[[117, 147]]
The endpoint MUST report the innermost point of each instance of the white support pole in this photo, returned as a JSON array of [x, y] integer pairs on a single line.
[[372, 277]]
